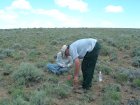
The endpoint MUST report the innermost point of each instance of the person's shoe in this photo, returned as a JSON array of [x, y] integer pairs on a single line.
[[86, 87]]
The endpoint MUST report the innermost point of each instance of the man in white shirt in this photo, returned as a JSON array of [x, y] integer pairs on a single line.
[[88, 50]]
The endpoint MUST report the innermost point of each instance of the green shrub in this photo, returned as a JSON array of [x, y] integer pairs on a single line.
[[33, 54], [47, 94], [62, 91], [41, 64], [17, 46], [2, 56], [109, 51], [75, 103], [106, 50], [115, 95], [136, 82], [123, 42], [5, 102], [20, 101], [53, 79], [16, 92], [111, 42], [1, 63], [38, 98], [104, 68], [59, 90], [136, 61], [17, 55], [113, 87], [113, 56], [49, 101], [87, 98], [135, 52], [8, 52], [122, 74], [121, 78], [26, 74], [112, 95], [110, 102], [54, 42], [7, 69]]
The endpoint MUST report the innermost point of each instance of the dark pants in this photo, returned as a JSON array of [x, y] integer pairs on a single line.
[[88, 66]]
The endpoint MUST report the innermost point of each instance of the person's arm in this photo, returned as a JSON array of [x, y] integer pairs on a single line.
[[76, 72]]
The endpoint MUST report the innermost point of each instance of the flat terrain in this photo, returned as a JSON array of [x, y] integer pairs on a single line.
[[25, 80]]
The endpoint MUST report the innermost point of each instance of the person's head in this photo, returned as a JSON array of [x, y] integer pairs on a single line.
[[65, 50]]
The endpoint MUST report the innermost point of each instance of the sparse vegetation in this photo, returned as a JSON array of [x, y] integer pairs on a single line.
[[121, 78], [136, 61], [27, 74], [135, 52], [136, 57], [104, 68], [25, 80], [112, 95], [136, 82]]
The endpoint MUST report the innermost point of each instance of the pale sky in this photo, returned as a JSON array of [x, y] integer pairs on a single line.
[[69, 13]]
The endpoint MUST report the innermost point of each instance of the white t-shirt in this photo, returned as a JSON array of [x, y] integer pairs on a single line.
[[79, 48]]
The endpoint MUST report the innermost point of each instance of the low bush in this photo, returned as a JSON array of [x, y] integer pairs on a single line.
[[123, 75], [53, 79], [113, 56], [5, 102], [121, 78], [113, 87], [54, 42], [20, 101], [7, 69], [105, 50], [27, 74], [112, 95], [123, 42], [104, 69], [8, 52], [136, 57], [2, 56], [62, 91], [17, 55], [33, 54], [75, 103], [136, 82], [41, 64], [17, 46], [87, 98], [111, 41], [57, 90], [38, 98], [1, 63], [135, 52], [16, 92], [136, 61]]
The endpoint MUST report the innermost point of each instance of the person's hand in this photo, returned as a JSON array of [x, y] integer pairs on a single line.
[[68, 65], [75, 82], [62, 65]]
